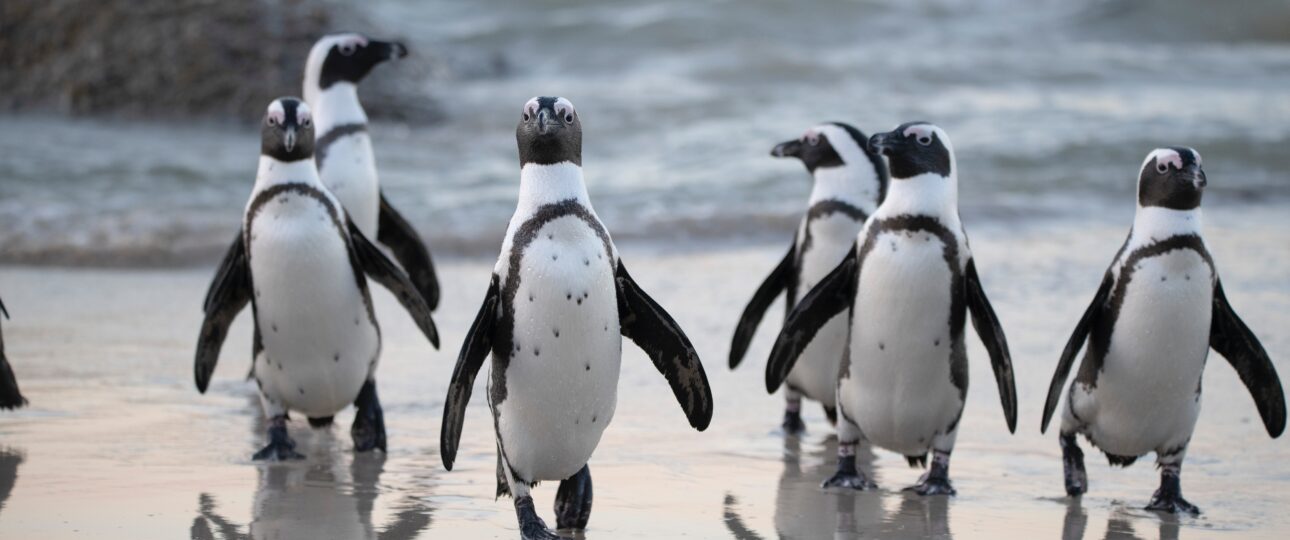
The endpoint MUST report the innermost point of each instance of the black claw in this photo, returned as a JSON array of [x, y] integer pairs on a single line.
[[573, 501], [1169, 497], [368, 430], [848, 476], [1073, 465], [531, 526], [280, 447], [793, 424]]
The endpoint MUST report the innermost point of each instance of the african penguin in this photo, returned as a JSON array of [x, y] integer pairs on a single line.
[[558, 303], [849, 184], [907, 287], [303, 266], [10, 397], [343, 151], [1159, 310]]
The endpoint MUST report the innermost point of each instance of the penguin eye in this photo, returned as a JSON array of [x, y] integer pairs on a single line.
[[306, 122], [812, 139], [526, 116], [1162, 168], [346, 48], [568, 117], [271, 120], [924, 140]]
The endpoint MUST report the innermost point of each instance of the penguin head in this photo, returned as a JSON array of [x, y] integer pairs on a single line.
[[1171, 178], [287, 132], [549, 132], [832, 144], [347, 58], [915, 149]]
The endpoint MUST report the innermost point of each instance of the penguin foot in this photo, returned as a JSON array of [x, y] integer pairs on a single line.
[[1169, 497], [573, 501], [848, 476], [933, 485], [280, 447], [531, 526], [793, 424], [1073, 466], [368, 430]]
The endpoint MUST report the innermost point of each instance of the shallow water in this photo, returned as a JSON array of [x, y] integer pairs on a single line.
[[1051, 106], [118, 444]]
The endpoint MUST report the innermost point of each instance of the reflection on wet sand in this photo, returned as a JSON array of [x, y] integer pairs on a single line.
[[318, 498], [10, 459], [804, 510], [1118, 524]]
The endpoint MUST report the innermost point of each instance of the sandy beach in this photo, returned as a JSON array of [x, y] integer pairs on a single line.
[[117, 443]]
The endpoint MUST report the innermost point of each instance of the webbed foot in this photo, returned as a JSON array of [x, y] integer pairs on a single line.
[[573, 501], [280, 447]]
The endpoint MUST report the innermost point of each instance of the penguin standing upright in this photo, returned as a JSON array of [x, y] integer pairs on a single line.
[[907, 287], [343, 151], [303, 266], [10, 397], [849, 184], [1159, 310], [559, 302]]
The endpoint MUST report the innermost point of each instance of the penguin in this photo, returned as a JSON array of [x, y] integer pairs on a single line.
[[907, 286], [1158, 312], [303, 266], [10, 396], [559, 300], [343, 150], [849, 183]]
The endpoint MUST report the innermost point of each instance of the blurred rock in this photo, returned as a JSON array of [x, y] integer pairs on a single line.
[[173, 58]]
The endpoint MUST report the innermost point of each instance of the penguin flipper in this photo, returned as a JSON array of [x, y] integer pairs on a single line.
[[770, 289], [229, 292], [1233, 339], [991, 332], [410, 250], [1073, 345], [479, 341], [380, 268], [831, 296], [10, 397], [648, 325]]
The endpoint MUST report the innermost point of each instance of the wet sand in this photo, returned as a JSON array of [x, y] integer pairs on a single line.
[[117, 443]]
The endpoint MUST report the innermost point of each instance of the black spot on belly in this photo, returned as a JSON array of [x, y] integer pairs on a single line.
[[301, 389], [882, 347], [257, 293], [335, 357], [936, 343], [556, 331], [593, 419], [275, 327], [580, 301], [554, 256], [355, 321], [586, 262], [568, 296], [279, 366], [1187, 277], [550, 236], [530, 298], [588, 367], [1163, 278], [537, 351]]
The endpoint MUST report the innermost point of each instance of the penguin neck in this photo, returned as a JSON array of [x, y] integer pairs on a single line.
[[335, 106], [927, 194], [547, 184], [1154, 223], [856, 186], [273, 172]]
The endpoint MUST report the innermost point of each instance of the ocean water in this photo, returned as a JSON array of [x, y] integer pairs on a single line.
[[1051, 107]]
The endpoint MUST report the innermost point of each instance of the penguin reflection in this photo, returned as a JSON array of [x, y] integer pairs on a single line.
[[803, 510], [1118, 526], [10, 459], [319, 501]]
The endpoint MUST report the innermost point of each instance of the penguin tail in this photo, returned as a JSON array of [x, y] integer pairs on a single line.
[[321, 422], [919, 462]]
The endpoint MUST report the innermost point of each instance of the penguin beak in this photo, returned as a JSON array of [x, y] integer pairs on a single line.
[[881, 143], [1196, 175], [289, 138], [388, 50], [545, 124], [791, 148]]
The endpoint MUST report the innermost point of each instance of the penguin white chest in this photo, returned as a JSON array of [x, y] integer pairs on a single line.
[[319, 340], [898, 387], [562, 370], [815, 373], [348, 169], [1147, 395]]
